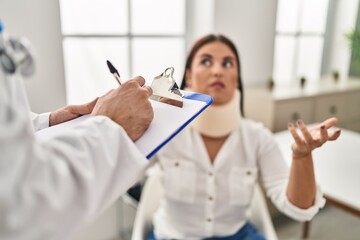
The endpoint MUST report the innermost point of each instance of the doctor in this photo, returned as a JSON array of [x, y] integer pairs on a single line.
[[50, 190]]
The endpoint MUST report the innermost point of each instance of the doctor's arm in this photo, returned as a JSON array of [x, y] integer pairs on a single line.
[[70, 112], [301, 188], [61, 115], [50, 190]]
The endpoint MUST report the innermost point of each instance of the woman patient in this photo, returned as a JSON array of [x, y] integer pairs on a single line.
[[210, 169]]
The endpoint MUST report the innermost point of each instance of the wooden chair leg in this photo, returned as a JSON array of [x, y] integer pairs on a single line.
[[306, 229]]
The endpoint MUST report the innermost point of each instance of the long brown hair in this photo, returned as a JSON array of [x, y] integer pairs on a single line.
[[209, 39]]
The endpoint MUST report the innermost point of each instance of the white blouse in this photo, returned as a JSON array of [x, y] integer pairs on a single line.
[[203, 199]]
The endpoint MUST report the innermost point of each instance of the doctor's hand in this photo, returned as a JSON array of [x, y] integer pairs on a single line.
[[128, 106], [312, 138], [70, 112]]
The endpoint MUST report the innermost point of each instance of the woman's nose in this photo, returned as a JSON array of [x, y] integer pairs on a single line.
[[217, 69]]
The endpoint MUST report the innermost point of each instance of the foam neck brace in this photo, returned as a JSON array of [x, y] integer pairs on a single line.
[[219, 120]]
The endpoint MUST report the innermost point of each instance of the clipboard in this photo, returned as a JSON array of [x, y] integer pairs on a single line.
[[167, 123]]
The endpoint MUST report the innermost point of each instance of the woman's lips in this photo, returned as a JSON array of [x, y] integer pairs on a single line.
[[217, 85]]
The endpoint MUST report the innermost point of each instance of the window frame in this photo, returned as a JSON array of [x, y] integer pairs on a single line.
[[130, 36]]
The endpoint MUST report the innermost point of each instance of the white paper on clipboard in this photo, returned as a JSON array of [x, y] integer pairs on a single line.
[[168, 121]]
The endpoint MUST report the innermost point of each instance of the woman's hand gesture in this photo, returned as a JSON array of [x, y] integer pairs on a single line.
[[311, 138]]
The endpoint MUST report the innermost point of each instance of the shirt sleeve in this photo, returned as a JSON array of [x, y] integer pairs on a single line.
[[50, 190], [275, 174], [40, 121]]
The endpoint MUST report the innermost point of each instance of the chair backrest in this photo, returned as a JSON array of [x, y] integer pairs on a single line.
[[259, 214], [152, 193]]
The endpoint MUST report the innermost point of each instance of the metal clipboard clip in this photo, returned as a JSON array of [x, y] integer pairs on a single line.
[[166, 90]]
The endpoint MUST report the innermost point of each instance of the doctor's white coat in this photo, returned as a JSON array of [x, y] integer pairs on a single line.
[[51, 190]]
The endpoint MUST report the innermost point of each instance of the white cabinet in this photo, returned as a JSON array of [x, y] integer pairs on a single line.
[[278, 107], [332, 105], [291, 111]]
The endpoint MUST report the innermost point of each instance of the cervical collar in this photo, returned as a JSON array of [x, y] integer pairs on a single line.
[[219, 120]]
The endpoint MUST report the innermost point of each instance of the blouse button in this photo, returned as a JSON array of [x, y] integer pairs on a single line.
[[248, 173], [210, 174], [210, 198], [177, 164], [209, 219]]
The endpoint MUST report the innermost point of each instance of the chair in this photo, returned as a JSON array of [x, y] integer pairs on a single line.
[[152, 192]]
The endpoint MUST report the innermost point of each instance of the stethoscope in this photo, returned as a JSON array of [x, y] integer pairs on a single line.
[[16, 54]]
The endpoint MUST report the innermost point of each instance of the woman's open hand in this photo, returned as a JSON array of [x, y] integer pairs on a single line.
[[312, 138]]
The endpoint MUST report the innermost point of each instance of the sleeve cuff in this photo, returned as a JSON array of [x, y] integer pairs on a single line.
[[302, 215], [40, 121]]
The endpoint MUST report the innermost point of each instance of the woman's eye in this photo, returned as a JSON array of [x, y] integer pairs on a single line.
[[206, 62], [228, 64]]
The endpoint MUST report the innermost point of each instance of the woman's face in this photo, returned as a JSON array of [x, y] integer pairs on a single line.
[[214, 72]]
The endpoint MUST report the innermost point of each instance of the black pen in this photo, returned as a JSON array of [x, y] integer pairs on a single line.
[[114, 72]]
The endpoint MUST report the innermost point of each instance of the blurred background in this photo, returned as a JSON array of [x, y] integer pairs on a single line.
[[281, 44], [282, 40]]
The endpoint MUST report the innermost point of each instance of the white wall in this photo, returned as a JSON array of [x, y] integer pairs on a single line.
[[39, 21], [251, 25], [200, 19]]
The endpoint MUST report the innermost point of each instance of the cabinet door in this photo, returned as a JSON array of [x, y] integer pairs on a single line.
[[353, 126], [291, 111], [335, 105], [353, 122], [354, 105]]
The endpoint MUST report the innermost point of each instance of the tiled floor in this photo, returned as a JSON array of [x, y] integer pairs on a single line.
[[331, 223]]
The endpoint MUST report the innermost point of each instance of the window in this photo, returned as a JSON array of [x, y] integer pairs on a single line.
[[139, 37], [300, 29]]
